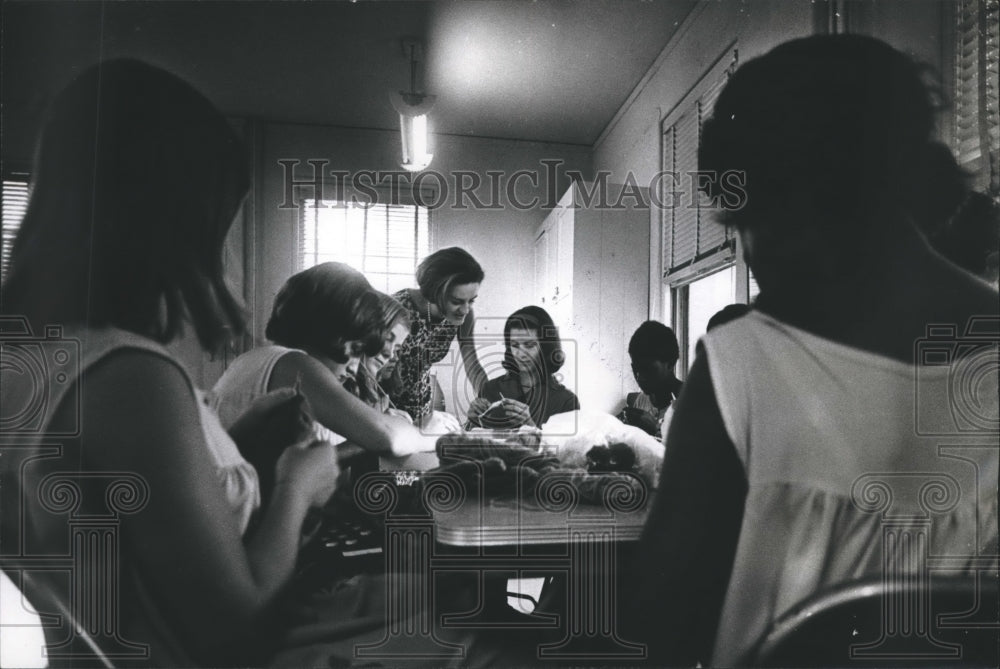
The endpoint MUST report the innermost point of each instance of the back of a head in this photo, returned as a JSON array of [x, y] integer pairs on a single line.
[[654, 341], [443, 269], [834, 135], [323, 307], [137, 180], [726, 314]]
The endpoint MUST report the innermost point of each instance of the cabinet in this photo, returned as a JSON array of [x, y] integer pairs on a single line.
[[591, 261]]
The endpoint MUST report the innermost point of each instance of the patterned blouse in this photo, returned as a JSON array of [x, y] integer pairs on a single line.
[[428, 343]]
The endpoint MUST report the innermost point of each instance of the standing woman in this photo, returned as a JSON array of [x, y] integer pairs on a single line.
[[440, 310]]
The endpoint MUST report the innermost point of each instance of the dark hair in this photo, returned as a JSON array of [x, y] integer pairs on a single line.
[[537, 320], [324, 307], [728, 313], [971, 239], [441, 270], [834, 137], [654, 341], [136, 183]]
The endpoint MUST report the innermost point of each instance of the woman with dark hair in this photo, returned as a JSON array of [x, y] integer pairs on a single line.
[[324, 319], [139, 447], [440, 310], [807, 413], [528, 394]]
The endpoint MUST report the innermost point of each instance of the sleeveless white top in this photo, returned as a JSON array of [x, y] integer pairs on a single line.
[[236, 476], [848, 456], [246, 379]]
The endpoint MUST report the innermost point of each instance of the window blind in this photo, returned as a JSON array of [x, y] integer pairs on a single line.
[[976, 109], [383, 241], [15, 204], [690, 233]]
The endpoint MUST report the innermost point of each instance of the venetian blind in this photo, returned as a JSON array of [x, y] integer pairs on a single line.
[[383, 241], [15, 204], [976, 110], [690, 234]]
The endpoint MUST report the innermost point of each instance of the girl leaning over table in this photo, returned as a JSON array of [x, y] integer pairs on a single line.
[[440, 311]]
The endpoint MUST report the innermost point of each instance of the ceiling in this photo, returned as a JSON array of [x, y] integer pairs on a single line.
[[549, 70]]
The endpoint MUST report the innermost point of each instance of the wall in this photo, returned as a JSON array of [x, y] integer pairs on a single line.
[[500, 237], [630, 145]]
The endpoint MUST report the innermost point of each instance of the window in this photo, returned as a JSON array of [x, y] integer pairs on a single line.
[[383, 241], [976, 110], [701, 268], [15, 203], [691, 237]]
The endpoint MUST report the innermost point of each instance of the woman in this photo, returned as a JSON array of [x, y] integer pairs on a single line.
[[528, 394], [376, 373], [807, 413], [121, 278], [440, 310], [324, 318]]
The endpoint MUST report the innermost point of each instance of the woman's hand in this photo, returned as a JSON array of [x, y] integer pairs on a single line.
[[517, 413], [477, 408], [309, 471]]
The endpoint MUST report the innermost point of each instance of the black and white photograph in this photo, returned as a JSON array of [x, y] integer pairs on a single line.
[[499, 333]]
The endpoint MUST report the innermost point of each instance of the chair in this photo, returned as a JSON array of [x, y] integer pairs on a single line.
[[952, 622], [57, 624]]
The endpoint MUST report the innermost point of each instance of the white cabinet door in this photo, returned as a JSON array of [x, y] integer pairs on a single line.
[[543, 269]]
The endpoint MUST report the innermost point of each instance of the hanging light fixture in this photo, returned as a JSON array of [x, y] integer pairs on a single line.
[[413, 107]]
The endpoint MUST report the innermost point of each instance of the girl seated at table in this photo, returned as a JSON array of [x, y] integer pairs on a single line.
[[323, 317], [528, 394], [377, 374], [139, 448]]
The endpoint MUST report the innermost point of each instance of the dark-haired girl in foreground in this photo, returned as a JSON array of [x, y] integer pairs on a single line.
[[122, 278], [803, 412]]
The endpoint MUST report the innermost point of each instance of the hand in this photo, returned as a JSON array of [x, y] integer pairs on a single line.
[[641, 419], [309, 472], [518, 413], [280, 418], [476, 409], [399, 413]]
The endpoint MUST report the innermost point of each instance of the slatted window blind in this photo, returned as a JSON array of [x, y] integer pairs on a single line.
[[976, 109], [691, 235], [15, 203], [383, 241]]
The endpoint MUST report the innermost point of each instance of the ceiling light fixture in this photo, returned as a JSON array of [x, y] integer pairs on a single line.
[[413, 107]]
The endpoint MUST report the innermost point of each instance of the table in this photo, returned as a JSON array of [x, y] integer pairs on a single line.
[[501, 537]]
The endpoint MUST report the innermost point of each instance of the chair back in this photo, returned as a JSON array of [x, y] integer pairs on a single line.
[[949, 622]]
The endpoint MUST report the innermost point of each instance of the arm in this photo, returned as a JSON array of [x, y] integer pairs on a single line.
[[467, 346], [140, 416], [342, 412], [689, 543]]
